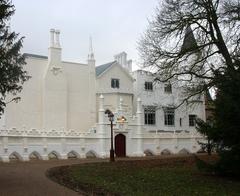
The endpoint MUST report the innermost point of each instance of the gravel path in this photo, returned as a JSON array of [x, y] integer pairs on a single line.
[[29, 179]]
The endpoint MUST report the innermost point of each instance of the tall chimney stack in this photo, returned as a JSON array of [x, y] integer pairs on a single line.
[[57, 42], [52, 32]]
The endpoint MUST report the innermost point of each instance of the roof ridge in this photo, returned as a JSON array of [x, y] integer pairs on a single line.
[[35, 55], [101, 68]]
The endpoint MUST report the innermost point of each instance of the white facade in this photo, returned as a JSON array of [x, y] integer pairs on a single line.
[[62, 111], [159, 99]]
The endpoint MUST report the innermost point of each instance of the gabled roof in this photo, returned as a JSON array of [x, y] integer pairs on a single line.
[[101, 68], [189, 42]]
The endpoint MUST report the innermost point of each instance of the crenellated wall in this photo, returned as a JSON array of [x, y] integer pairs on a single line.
[[24, 144]]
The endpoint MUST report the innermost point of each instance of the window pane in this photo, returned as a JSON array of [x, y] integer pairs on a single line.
[[112, 83], [117, 83]]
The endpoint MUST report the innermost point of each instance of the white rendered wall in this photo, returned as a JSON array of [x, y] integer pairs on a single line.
[[160, 99], [79, 106], [28, 111], [103, 84], [113, 95]]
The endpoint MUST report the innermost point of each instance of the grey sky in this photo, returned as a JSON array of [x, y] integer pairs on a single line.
[[115, 26]]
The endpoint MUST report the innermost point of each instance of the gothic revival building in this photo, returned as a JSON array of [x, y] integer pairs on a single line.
[[62, 111]]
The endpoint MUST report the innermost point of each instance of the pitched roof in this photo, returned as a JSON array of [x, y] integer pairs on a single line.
[[189, 42], [35, 56], [101, 68]]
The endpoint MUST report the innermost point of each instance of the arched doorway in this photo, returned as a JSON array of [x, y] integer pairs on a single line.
[[120, 145]]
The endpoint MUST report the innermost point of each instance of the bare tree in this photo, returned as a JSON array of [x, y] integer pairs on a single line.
[[193, 41]]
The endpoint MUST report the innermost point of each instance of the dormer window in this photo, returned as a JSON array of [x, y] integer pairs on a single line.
[[148, 86], [168, 88], [114, 83]]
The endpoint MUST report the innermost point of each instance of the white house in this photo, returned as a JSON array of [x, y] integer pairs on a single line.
[[62, 111]]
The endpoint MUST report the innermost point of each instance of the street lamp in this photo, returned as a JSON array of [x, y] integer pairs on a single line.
[[111, 118]]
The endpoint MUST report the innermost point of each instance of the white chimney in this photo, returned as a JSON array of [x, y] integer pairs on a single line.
[[52, 32], [129, 63], [54, 51], [57, 42], [121, 58]]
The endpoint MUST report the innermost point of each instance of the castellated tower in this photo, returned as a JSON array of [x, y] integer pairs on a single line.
[[54, 87]]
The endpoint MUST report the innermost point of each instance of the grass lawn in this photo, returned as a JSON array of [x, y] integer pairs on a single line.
[[173, 176]]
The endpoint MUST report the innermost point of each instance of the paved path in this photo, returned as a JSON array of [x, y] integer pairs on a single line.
[[29, 179]]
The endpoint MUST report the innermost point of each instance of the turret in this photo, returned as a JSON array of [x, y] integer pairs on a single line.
[[92, 82]]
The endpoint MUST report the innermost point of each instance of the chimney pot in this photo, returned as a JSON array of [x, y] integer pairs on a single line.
[[52, 31], [57, 41]]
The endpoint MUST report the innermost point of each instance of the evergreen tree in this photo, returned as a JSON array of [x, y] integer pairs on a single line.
[[12, 74], [208, 130], [227, 117]]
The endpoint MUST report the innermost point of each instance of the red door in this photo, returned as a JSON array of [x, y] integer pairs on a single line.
[[120, 145]]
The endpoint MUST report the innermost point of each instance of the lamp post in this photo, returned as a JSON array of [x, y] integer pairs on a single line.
[[111, 118]]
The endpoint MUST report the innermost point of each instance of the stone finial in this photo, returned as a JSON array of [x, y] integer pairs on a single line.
[[91, 54]]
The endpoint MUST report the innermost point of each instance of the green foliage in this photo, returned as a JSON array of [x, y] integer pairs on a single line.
[[204, 166], [207, 129], [227, 116], [223, 131], [12, 75]]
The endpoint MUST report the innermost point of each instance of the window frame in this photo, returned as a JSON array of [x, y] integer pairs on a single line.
[[169, 117], [150, 115], [168, 88], [148, 86], [192, 121], [115, 83]]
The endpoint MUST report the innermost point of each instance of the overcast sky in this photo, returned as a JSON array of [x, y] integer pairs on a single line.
[[115, 26]]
